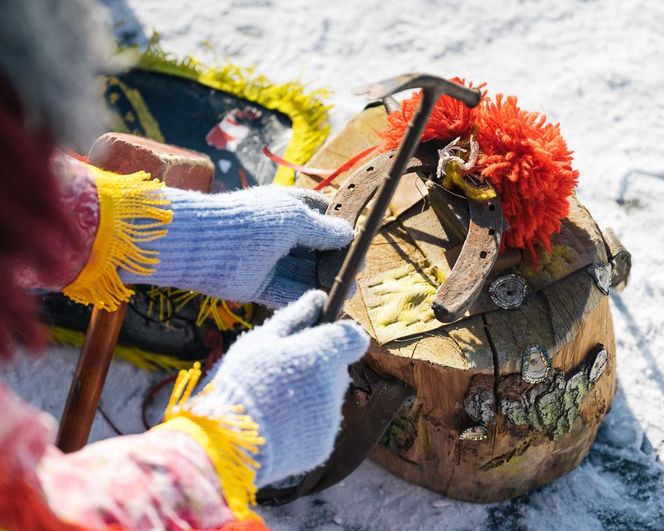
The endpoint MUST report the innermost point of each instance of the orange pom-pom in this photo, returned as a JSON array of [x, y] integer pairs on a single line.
[[528, 162], [524, 157], [449, 119]]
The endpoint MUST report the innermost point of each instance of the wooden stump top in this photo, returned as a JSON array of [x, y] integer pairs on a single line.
[[479, 430]]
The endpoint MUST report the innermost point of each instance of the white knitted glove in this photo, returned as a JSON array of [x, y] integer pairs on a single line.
[[254, 245], [291, 376]]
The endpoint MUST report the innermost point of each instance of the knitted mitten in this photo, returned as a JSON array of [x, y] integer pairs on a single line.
[[253, 245], [290, 375]]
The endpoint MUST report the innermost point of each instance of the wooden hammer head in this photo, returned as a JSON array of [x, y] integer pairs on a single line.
[[177, 167]]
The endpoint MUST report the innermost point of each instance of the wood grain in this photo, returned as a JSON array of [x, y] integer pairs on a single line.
[[88, 381], [466, 373]]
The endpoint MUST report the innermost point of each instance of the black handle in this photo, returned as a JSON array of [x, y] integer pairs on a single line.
[[432, 88]]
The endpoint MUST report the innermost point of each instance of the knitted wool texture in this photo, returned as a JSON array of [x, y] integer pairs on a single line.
[[291, 377], [528, 162], [247, 246]]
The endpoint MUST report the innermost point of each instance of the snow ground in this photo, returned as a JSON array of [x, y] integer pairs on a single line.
[[595, 66]]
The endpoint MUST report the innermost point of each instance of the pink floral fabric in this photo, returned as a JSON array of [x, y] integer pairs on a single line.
[[79, 197], [25, 434], [152, 481]]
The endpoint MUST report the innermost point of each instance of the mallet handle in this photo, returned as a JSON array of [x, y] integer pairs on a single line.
[[89, 377]]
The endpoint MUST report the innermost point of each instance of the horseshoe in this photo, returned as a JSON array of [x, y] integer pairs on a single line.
[[478, 254]]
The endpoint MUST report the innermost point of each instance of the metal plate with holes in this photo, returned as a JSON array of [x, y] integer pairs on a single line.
[[535, 364], [349, 202], [479, 251], [476, 260], [509, 291]]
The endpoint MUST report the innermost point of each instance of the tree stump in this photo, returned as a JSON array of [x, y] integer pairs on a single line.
[[511, 396]]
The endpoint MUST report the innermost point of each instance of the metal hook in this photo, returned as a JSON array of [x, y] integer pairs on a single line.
[[432, 88]]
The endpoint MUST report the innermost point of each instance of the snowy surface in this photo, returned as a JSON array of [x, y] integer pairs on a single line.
[[595, 66]]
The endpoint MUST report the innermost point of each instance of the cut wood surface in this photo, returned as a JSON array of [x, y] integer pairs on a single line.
[[478, 430]]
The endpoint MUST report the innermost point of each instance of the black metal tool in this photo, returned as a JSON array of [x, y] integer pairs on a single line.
[[432, 88], [365, 424]]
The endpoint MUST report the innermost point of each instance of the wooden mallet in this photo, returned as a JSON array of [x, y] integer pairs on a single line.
[[123, 154]]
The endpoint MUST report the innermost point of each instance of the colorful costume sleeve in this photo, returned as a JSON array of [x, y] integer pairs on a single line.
[[176, 476], [139, 482], [113, 216], [78, 194]]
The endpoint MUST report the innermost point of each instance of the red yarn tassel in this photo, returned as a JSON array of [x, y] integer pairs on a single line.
[[525, 158]]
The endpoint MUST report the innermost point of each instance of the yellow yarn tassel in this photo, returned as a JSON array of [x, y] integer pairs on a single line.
[[227, 439], [224, 318], [122, 200], [212, 308]]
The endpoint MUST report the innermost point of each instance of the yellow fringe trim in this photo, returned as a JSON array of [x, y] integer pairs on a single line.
[[222, 315], [148, 361], [122, 199], [227, 440], [166, 301], [308, 114]]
